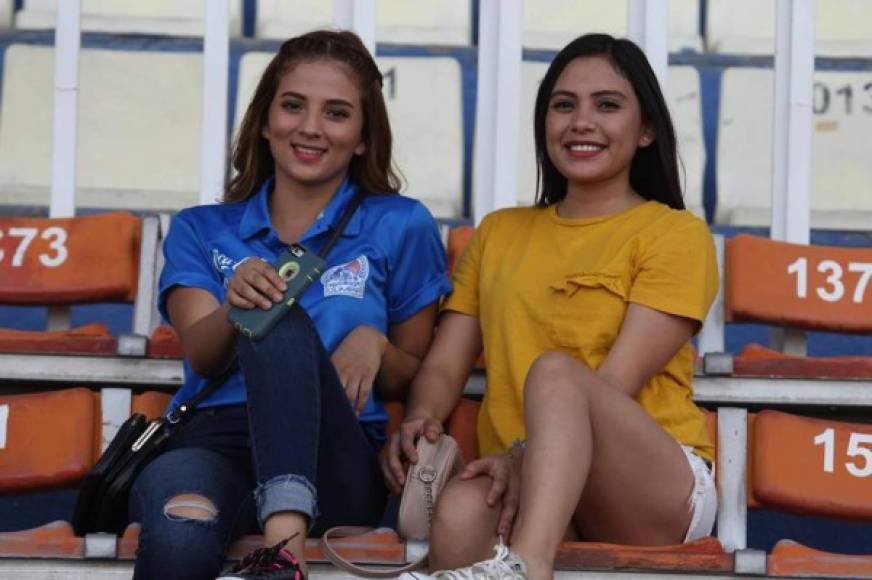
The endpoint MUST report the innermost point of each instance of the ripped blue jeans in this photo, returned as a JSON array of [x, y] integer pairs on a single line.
[[255, 460]]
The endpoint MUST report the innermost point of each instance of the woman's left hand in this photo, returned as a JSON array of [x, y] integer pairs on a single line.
[[357, 360], [505, 487]]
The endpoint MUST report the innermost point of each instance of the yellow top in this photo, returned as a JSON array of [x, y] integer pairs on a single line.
[[538, 282]]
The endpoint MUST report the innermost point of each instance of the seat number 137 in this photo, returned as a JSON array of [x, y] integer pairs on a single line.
[[833, 289]]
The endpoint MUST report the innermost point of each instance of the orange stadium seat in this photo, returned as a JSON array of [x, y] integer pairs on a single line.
[[164, 343], [458, 238], [47, 440], [807, 286], [819, 467], [804, 287], [383, 546], [60, 262]]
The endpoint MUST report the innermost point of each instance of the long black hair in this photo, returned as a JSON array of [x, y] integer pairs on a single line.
[[654, 169]]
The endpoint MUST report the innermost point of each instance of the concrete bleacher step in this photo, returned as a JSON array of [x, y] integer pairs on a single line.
[[169, 17], [382, 546], [748, 27], [841, 175], [684, 99], [424, 101], [427, 22], [551, 24], [139, 128]]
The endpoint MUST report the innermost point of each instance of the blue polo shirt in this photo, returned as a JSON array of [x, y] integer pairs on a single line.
[[388, 264]]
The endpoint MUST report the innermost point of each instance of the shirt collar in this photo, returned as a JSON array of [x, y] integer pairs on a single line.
[[256, 219]]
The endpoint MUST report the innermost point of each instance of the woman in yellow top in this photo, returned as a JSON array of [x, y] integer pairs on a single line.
[[584, 306]]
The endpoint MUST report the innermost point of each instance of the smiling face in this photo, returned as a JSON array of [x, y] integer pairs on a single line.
[[314, 126], [593, 124]]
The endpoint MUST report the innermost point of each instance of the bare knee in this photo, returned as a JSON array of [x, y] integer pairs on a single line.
[[190, 506], [462, 511], [554, 372]]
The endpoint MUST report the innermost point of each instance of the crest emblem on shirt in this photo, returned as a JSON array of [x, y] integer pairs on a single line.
[[225, 265], [348, 279]]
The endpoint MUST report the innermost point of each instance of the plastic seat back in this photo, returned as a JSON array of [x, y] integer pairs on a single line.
[[810, 287], [65, 261], [458, 239], [813, 466], [46, 439]]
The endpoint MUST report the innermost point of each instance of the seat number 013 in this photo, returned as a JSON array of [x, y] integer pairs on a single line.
[[57, 246], [859, 446], [833, 288]]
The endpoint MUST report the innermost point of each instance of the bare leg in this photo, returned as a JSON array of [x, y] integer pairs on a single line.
[[462, 512], [594, 457], [284, 525]]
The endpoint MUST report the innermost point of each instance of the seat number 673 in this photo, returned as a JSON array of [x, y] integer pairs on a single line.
[[57, 245]]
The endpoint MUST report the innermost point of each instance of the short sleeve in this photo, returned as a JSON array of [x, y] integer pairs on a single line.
[[677, 272], [186, 263], [465, 280], [418, 275]]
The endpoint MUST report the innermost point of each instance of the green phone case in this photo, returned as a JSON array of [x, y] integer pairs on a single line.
[[298, 267]]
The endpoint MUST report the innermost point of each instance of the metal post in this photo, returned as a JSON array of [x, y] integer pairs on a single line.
[[732, 466], [648, 26], [792, 130], [216, 58], [792, 134], [359, 16], [66, 109], [497, 131], [711, 337]]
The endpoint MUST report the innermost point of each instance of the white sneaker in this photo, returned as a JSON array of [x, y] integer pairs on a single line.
[[506, 565]]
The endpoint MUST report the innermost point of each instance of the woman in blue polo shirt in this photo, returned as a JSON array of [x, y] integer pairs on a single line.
[[293, 437]]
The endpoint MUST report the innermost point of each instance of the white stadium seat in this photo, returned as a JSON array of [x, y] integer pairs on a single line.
[[551, 24], [444, 22], [748, 27], [7, 13], [170, 17], [683, 97], [139, 128], [423, 97], [841, 184]]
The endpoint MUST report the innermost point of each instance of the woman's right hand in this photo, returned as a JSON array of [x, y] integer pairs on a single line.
[[255, 283], [403, 446]]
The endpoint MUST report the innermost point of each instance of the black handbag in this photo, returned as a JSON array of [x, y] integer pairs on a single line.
[[101, 505]]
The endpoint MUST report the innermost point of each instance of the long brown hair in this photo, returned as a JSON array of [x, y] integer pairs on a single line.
[[251, 156]]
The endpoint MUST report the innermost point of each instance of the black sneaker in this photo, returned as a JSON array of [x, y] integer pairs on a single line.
[[274, 563]]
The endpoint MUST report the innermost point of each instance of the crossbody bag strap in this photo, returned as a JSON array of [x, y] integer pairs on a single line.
[[343, 221], [181, 413], [333, 556]]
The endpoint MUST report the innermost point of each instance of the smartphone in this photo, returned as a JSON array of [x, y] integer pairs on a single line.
[[298, 267]]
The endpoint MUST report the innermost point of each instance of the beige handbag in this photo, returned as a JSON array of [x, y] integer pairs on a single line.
[[437, 463]]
